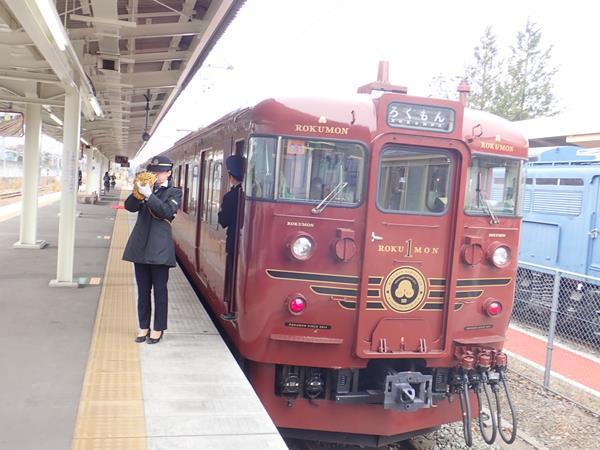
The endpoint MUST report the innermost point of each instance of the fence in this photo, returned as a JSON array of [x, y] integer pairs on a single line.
[[562, 305]]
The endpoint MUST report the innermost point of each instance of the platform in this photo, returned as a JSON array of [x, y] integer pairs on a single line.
[[75, 376]]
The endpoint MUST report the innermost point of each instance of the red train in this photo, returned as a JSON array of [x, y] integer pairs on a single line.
[[376, 257]]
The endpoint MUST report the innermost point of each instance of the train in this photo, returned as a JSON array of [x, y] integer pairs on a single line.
[[560, 232], [374, 272]]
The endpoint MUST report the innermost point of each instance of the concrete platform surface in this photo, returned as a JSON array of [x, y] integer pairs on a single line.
[[46, 332]]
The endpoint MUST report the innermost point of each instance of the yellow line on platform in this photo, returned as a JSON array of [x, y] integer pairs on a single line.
[[111, 409]]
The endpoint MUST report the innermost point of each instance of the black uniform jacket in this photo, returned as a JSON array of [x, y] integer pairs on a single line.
[[228, 215], [151, 241]]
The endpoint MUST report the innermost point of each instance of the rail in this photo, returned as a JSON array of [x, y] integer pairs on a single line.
[[6, 195], [13, 194]]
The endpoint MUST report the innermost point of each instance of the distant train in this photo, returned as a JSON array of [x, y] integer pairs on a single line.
[[561, 229], [375, 273]]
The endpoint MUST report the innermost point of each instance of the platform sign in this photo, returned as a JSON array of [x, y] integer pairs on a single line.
[[420, 117], [11, 124], [122, 160]]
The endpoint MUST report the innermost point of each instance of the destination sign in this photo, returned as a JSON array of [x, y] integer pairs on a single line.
[[420, 117]]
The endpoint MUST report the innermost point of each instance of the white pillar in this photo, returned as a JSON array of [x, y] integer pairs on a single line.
[[31, 179], [100, 164], [89, 168], [95, 174], [68, 199]]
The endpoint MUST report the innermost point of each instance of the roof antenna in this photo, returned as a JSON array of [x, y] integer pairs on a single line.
[[382, 83]]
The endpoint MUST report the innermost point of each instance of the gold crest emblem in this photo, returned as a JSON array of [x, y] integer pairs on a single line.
[[155, 161], [322, 119], [404, 289]]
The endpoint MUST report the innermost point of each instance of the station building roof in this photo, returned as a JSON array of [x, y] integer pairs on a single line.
[[122, 55]]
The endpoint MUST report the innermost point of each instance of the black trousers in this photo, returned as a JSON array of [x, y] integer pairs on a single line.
[[148, 277], [228, 294]]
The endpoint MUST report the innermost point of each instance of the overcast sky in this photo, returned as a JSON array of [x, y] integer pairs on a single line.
[[330, 47]]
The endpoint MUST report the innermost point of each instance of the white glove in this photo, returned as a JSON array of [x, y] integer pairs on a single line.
[[144, 189]]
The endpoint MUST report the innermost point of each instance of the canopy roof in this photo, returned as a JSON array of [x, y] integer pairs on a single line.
[[128, 55]]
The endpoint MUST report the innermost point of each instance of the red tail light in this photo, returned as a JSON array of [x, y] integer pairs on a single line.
[[296, 305], [492, 307]]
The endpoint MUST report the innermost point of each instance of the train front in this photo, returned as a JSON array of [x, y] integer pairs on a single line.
[[398, 224]]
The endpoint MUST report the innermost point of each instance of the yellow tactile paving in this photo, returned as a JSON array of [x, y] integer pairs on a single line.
[[111, 409]]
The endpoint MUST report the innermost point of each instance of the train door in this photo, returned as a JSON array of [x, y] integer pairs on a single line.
[[591, 209], [231, 273], [408, 243], [211, 248]]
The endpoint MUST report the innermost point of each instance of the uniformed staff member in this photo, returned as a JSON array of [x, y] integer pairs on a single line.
[[228, 216], [151, 248]]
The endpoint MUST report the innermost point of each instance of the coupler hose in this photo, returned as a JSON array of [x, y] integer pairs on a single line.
[[501, 367], [465, 408], [488, 440]]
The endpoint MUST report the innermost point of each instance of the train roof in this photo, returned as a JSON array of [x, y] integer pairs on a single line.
[[556, 168], [484, 132]]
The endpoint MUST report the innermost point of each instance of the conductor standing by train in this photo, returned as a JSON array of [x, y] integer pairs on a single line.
[[150, 246], [229, 215]]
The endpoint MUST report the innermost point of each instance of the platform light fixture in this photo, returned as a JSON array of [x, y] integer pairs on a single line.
[[84, 141], [96, 106], [56, 119], [50, 15]]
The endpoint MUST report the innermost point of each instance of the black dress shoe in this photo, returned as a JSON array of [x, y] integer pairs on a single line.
[[230, 317], [154, 341], [140, 339]]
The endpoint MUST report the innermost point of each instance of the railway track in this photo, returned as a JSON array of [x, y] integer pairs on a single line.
[[16, 194], [6, 195]]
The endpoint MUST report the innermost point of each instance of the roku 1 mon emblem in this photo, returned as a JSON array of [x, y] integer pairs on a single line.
[[408, 249]]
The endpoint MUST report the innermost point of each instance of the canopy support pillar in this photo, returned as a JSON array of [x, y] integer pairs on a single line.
[[31, 180], [68, 200]]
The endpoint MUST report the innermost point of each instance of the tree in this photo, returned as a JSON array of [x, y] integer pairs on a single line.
[[484, 74], [526, 90], [442, 86]]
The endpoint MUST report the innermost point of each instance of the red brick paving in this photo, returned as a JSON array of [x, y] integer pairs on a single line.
[[564, 362]]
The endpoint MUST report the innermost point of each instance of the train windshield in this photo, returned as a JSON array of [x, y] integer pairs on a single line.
[[493, 186], [306, 170], [310, 170], [413, 180]]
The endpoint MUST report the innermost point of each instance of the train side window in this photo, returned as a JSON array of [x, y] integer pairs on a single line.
[[175, 176], [186, 187], [413, 181], [529, 181], [211, 191], [571, 182], [215, 196], [260, 173], [546, 181], [240, 148], [193, 195], [207, 168]]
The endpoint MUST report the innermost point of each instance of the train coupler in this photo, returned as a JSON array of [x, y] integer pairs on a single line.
[[408, 391]]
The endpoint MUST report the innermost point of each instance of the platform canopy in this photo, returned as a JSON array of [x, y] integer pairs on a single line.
[[124, 57], [561, 130]]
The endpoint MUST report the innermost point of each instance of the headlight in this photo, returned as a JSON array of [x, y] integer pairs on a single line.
[[501, 256], [302, 247]]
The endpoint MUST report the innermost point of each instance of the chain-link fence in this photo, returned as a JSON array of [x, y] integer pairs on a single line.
[[563, 306]]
